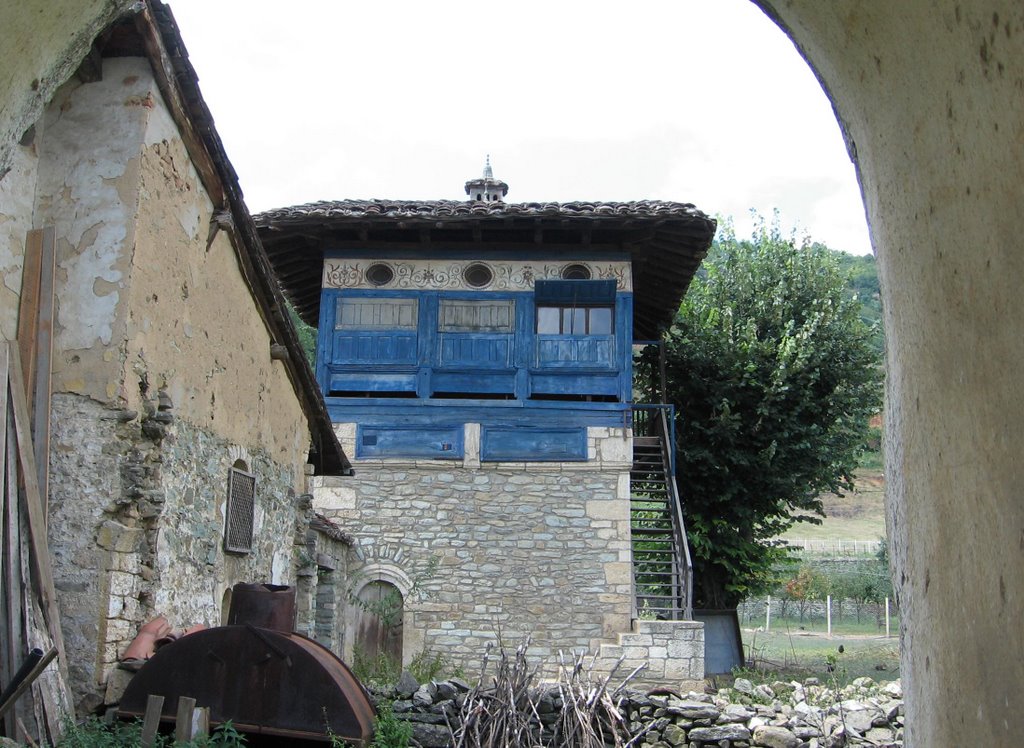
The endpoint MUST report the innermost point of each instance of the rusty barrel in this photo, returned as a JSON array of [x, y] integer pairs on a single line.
[[266, 606]]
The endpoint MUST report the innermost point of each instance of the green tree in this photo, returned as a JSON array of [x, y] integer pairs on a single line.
[[774, 376]]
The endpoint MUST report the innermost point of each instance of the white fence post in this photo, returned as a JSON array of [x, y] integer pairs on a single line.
[[768, 614], [828, 614], [886, 618]]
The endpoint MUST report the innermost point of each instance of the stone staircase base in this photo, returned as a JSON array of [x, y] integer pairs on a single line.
[[672, 650]]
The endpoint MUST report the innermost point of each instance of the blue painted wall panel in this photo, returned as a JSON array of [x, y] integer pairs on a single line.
[[576, 351], [354, 348], [484, 351], [533, 445], [371, 382], [439, 443], [465, 344], [578, 384], [491, 382]]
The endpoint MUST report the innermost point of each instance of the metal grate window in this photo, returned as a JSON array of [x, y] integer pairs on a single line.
[[241, 511]]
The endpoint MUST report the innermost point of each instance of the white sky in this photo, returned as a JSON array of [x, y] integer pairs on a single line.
[[701, 101]]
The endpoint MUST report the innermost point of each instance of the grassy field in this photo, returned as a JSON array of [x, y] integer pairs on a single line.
[[791, 654], [856, 516], [795, 649]]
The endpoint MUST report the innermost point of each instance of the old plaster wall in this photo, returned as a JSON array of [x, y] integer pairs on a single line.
[[526, 548], [932, 99], [41, 44], [193, 328], [162, 379], [88, 190]]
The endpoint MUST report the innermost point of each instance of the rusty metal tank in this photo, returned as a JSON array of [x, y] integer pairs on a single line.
[[267, 682]]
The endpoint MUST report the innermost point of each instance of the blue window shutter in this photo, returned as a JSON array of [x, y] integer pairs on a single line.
[[574, 292]]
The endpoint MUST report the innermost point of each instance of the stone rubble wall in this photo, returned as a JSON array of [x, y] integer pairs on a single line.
[[780, 715], [136, 526]]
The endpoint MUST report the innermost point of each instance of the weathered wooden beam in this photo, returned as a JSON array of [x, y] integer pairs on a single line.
[[41, 382], [39, 550], [28, 306], [11, 634], [90, 70]]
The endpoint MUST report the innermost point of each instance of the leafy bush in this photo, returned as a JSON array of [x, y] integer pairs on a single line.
[[93, 733], [389, 730]]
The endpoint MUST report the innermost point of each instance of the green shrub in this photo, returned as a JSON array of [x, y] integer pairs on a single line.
[[390, 731]]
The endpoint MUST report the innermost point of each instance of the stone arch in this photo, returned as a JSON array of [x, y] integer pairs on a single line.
[[365, 633], [378, 620], [929, 98]]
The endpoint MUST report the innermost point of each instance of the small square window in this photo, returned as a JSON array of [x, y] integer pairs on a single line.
[[241, 510], [548, 320], [555, 320], [600, 320]]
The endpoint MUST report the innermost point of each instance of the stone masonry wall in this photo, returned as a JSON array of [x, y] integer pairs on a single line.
[[137, 506], [524, 548]]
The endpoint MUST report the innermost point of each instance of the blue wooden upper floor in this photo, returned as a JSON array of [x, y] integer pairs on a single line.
[[517, 317], [430, 344]]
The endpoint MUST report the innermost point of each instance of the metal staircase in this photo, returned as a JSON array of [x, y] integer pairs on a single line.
[[662, 572]]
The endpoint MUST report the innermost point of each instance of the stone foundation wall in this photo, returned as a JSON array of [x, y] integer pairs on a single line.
[[527, 548], [670, 652]]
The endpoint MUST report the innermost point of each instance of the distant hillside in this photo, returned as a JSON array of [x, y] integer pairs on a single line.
[[856, 516]]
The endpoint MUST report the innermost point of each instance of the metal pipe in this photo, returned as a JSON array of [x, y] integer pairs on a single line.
[[25, 677]]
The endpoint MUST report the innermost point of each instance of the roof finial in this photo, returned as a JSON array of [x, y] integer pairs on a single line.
[[486, 188]]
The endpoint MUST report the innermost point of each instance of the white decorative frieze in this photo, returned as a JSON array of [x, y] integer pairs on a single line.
[[452, 275]]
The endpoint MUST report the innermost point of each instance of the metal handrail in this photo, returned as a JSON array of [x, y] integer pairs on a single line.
[[657, 419], [678, 526]]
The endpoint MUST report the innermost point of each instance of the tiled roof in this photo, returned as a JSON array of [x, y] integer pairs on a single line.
[[455, 209], [331, 529], [665, 240]]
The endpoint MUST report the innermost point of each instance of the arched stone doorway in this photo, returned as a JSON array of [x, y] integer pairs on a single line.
[[378, 622]]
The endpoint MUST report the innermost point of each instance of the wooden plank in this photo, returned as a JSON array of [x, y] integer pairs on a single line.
[[33, 502], [25, 736], [41, 389], [200, 722], [28, 309], [183, 719], [151, 720], [11, 561]]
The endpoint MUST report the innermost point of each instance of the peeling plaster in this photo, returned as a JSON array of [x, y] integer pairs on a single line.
[[88, 189], [17, 193], [41, 44]]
